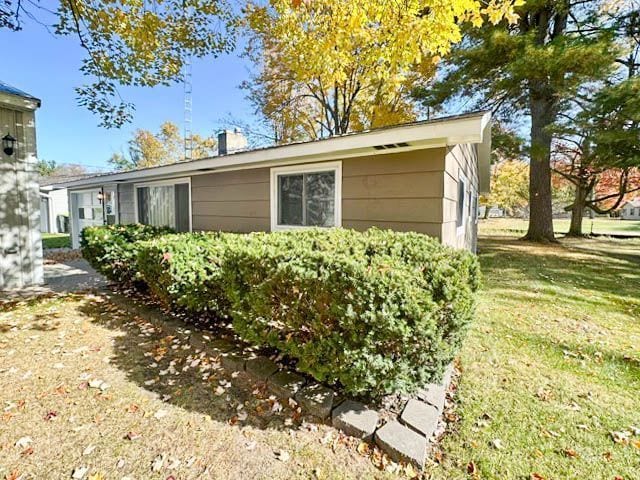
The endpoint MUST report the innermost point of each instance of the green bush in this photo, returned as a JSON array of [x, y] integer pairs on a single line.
[[185, 270], [377, 312], [113, 249]]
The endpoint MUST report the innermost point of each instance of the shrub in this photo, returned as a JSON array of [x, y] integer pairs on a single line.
[[185, 270], [377, 312], [112, 249]]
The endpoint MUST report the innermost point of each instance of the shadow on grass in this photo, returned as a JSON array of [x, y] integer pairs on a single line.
[[177, 363], [601, 271]]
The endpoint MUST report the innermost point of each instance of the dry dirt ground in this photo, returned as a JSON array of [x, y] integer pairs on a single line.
[[93, 387]]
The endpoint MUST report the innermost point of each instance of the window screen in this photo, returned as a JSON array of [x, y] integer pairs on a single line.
[[461, 203], [307, 199]]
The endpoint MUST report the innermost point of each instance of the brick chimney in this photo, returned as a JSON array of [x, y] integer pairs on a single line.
[[230, 141]]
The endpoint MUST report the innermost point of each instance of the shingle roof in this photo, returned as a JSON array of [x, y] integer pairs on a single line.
[[634, 203], [6, 88]]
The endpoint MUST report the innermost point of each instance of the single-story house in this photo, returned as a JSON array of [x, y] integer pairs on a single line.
[[630, 210], [423, 176], [20, 244], [54, 206]]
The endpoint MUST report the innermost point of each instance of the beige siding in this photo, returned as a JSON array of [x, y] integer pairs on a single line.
[[401, 191], [459, 158], [235, 201]]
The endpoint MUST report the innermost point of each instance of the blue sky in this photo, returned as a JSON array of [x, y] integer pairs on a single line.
[[47, 67]]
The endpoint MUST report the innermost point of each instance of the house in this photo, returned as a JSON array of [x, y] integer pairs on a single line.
[[54, 202], [54, 207], [630, 210], [423, 176], [20, 244]]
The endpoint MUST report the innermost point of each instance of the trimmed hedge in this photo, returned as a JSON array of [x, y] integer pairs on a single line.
[[113, 249], [376, 312], [185, 271]]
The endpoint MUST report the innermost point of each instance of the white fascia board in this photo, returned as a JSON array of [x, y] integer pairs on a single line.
[[469, 129]]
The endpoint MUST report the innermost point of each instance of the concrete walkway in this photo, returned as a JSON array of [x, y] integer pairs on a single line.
[[67, 277]]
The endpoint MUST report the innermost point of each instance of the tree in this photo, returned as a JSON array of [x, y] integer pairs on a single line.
[[62, 171], [509, 186], [599, 146], [46, 168], [530, 67], [327, 67], [131, 42], [147, 149]]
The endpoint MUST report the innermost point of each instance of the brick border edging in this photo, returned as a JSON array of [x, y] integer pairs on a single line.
[[403, 439]]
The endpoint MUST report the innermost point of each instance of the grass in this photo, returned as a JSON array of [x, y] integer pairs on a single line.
[[552, 366], [56, 240], [551, 371], [515, 226]]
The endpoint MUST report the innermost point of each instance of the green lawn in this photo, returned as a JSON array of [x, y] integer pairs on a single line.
[[551, 367], [513, 226], [56, 240]]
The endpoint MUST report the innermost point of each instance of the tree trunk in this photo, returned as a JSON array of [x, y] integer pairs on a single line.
[[579, 204], [541, 214]]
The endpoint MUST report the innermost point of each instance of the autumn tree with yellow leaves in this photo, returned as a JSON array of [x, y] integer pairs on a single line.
[[149, 149], [327, 67]]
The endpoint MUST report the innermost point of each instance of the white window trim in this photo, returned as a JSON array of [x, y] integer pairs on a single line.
[[461, 230], [306, 168], [171, 181]]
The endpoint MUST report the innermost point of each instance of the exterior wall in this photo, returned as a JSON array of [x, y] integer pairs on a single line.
[[401, 191], [459, 159], [20, 241], [630, 212], [236, 201]]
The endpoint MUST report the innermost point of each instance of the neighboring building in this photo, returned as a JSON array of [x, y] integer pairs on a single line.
[[630, 210], [20, 244], [54, 209], [54, 203], [423, 176]]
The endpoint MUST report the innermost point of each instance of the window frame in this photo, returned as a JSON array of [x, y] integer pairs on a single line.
[[321, 167], [159, 183], [461, 229]]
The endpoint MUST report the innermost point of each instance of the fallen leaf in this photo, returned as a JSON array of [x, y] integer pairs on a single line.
[[157, 464], [97, 476], [536, 476], [26, 452], [23, 442], [569, 452], [79, 473], [363, 448], [89, 450], [471, 468], [50, 415], [497, 444], [13, 475], [283, 455], [132, 436]]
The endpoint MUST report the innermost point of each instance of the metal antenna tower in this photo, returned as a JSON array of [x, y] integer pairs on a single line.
[[188, 136]]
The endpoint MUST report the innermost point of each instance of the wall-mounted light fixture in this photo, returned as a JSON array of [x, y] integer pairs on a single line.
[[8, 144]]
